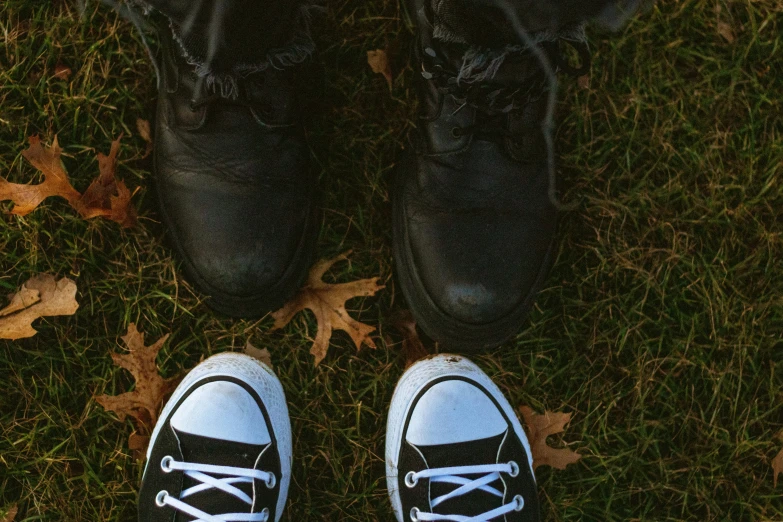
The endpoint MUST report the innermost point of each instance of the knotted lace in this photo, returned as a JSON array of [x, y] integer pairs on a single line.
[[203, 473], [457, 475], [494, 99]]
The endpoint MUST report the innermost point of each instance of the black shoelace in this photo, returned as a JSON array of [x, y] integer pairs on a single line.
[[494, 100]]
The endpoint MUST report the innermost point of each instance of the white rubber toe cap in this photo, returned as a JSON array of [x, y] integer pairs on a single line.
[[222, 410], [454, 411]]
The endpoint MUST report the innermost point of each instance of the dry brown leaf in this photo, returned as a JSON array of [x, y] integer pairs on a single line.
[[62, 72], [145, 131], [262, 355], [583, 81], [41, 296], [106, 197], [539, 427], [726, 31], [412, 347], [777, 467], [138, 444], [327, 301], [46, 159], [379, 63], [11, 514], [144, 402]]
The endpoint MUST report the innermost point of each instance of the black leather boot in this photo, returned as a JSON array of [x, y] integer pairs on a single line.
[[474, 225], [235, 184]]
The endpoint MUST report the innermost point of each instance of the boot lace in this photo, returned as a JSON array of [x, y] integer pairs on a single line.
[[203, 473], [495, 99], [457, 475], [238, 95]]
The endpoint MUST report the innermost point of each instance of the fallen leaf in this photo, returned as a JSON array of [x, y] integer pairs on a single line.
[[379, 63], [41, 296], [144, 402], [777, 467], [105, 197], [262, 355], [539, 427], [327, 302], [11, 514], [412, 347], [138, 443], [46, 159], [726, 31], [62, 72], [145, 131], [584, 81]]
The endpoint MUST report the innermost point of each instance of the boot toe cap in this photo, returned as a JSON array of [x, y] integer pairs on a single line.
[[241, 245]]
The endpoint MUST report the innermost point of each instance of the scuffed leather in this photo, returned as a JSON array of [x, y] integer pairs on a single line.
[[478, 218], [234, 181]]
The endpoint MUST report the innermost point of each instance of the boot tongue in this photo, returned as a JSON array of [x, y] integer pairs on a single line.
[[197, 449], [472, 453]]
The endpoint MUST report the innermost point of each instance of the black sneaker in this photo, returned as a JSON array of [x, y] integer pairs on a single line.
[[455, 450], [235, 184], [221, 450], [474, 223]]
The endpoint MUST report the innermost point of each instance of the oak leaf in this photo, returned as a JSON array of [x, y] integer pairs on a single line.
[[105, 197], [144, 402], [327, 302], [539, 427], [777, 467], [10, 514], [47, 160], [378, 61], [62, 72], [145, 131], [726, 31], [262, 355], [412, 347], [41, 296]]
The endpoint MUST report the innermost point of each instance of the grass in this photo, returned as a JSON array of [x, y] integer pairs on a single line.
[[661, 326]]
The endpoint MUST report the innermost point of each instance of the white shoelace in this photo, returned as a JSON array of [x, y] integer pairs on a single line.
[[232, 476], [490, 472]]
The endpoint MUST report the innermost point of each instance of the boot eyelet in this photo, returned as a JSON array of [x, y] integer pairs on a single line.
[[165, 464], [456, 133], [160, 498], [271, 482], [265, 512], [411, 480], [414, 514], [192, 106], [520, 500], [514, 469]]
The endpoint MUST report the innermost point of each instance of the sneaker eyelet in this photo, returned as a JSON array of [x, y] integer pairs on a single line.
[[160, 498], [411, 480], [165, 464], [265, 513], [514, 469], [520, 500], [414, 514], [272, 482]]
